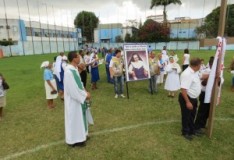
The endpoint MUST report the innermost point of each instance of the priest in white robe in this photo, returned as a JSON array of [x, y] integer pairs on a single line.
[[76, 127]]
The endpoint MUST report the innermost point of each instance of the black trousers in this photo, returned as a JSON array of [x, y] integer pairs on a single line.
[[188, 116], [83, 76], [184, 67], [203, 112]]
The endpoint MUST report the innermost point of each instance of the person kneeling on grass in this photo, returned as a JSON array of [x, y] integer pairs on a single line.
[[50, 84]]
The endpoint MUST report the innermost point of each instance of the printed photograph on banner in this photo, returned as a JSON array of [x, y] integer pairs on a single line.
[[136, 63]]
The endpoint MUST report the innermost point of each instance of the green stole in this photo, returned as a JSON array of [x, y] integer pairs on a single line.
[[83, 106]]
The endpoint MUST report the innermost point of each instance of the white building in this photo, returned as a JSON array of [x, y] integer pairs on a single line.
[[157, 18], [37, 38]]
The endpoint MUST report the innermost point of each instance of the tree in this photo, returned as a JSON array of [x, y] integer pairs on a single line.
[[164, 3], [210, 27], [87, 21], [153, 31], [140, 25], [118, 39], [127, 38]]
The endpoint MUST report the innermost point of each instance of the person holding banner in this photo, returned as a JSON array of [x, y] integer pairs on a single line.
[[137, 68], [204, 108], [116, 73], [190, 90]]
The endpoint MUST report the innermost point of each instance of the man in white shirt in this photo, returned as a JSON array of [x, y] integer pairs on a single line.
[[190, 90]]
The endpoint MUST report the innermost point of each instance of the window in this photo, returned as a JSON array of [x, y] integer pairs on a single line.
[[38, 34], [28, 31], [46, 34]]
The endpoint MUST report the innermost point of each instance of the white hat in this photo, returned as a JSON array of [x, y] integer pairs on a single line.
[[45, 64]]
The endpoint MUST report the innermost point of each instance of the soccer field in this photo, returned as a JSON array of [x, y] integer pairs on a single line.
[[143, 127]]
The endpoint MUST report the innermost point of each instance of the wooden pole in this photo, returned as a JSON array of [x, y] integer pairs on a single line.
[[222, 17], [221, 30]]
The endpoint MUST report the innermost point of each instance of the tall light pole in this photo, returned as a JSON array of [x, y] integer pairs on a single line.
[[20, 27], [30, 25], [7, 27], [68, 35], [48, 26], [40, 28], [55, 28]]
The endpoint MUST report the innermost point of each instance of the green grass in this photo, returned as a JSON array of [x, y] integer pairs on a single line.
[[28, 123]]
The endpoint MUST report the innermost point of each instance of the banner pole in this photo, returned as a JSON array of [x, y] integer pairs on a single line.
[[127, 90]]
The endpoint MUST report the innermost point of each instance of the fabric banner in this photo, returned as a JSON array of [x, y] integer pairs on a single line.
[[220, 52], [221, 71]]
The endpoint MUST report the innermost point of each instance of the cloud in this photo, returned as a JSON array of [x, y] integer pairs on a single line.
[[107, 10]]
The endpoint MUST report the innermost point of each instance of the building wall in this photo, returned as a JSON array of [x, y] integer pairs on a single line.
[[12, 29], [108, 35], [26, 48], [107, 32], [36, 38], [183, 33], [173, 45], [96, 36], [184, 28]]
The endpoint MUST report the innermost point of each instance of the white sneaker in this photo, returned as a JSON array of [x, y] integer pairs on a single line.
[[116, 96], [122, 96]]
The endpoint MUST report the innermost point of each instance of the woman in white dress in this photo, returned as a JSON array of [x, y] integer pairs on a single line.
[[172, 83]]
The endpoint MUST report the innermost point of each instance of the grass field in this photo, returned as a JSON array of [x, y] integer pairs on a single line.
[[143, 127]]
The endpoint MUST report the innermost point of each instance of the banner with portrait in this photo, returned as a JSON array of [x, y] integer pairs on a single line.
[[136, 62], [220, 53]]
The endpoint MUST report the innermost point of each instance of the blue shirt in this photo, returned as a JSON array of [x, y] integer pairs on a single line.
[[48, 75], [108, 59], [149, 50]]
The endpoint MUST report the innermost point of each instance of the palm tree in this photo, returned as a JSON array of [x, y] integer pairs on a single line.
[[164, 3]]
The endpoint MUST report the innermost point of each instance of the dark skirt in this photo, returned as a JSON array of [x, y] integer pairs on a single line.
[[94, 74]]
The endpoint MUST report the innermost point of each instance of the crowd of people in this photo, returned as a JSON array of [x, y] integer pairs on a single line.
[[163, 69], [66, 78]]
